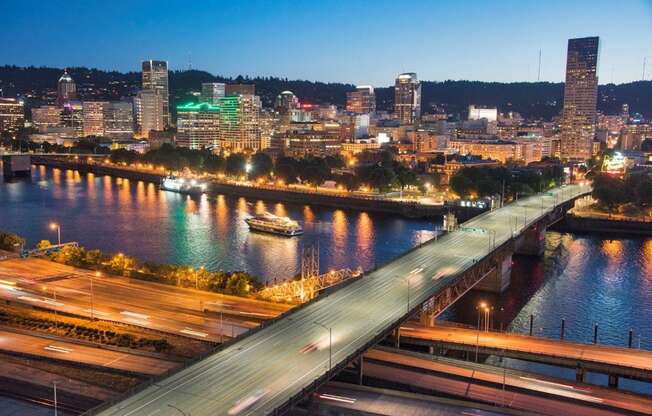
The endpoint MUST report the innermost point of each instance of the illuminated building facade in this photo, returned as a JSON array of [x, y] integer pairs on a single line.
[[66, 89], [73, 117], [580, 99], [239, 128], [362, 100], [285, 103], [211, 92], [12, 116], [148, 105], [407, 98], [198, 125], [479, 113], [46, 117], [240, 89], [93, 114], [119, 120], [155, 78]]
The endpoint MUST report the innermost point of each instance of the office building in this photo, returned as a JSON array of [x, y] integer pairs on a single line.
[[155, 78], [407, 98], [12, 116], [46, 117], [73, 117], [211, 92], [285, 103], [119, 120], [362, 100], [240, 89], [148, 105], [93, 117], [239, 129], [66, 89], [580, 99], [198, 125], [480, 113]]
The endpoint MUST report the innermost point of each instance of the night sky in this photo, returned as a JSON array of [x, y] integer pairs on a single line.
[[363, 42]]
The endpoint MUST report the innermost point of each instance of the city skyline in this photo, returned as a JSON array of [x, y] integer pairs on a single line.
[[509, 50]]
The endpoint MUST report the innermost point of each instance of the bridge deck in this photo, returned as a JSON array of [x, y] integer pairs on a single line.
[[631, 362], [290, 357]]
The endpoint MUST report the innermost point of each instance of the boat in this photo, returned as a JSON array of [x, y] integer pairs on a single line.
[[270, 223], [182, 185]]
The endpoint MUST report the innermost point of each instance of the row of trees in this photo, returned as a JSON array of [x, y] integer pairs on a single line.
[[488, 181], [233, 283], [11, 242], [612, 192]]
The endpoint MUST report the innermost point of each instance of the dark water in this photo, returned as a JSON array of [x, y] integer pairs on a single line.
[[138, 219]]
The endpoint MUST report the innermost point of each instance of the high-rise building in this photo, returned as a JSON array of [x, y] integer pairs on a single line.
[[211, 92], [580, 99], [155, 78], [93, 114], [362, 100], [66, 89], [239, 129], [119, 120], [236, 89], [198, 125], [73, 117], [285, 103], [407, 98], [12, 116], [46, 117], [148, 105]]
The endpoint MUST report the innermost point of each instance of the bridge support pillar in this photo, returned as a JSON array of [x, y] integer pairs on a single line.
[[360, 371], [532, 242], [613, 381], [397, 338], [16, 165], [580, 373], [427, 319], [499, 279]]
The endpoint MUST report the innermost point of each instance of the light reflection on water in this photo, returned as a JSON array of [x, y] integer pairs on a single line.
[[137, 218]]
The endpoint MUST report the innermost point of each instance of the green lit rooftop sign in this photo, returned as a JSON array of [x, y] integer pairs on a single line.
[[198, 107]]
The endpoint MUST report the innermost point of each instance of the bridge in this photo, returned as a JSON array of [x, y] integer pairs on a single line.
[[613, 361], [278, 364], [19, 163]]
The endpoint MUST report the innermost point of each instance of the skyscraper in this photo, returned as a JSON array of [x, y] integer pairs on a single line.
[[239, 129], [66, 89], [362, 100], [148, 105], [580, 99], [198, 125], [12, 116], [155, 78], [119, 120], [211, 92], [407, 98], [285, 103], [93, 114]]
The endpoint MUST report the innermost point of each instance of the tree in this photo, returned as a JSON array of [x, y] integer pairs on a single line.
[[261, 166], [214, 164], [236, 164], [382, 178], [643, 192], [609, 191], [287, 169], [461, 185], [43, 244], [405, 176], [11, 242]]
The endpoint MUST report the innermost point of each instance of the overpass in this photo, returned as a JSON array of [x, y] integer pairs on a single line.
[[613, 361], [280, 363]]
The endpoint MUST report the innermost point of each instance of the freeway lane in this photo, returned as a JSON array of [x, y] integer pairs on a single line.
[[267, 368], [68, 351], [624, 357], [162, 307]]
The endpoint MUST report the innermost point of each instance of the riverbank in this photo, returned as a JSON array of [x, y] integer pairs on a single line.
[[298, 196], [573, 223]]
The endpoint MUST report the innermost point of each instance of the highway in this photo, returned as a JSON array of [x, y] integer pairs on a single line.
[[261, 372], [166, 308], [68, 351], [603, 354], [472, 381]]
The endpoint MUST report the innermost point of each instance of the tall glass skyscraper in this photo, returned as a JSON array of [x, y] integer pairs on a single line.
[[580, 99], [155, 78], [66, 89], [407, 98]]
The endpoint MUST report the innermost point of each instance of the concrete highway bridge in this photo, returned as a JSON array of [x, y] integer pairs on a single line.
[[613, 361], [282, 362]]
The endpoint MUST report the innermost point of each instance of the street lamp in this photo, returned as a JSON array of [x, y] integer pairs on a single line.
[[97, 274], [330, 344], [55, 226]]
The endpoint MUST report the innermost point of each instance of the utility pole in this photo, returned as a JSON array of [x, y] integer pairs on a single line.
[[539, 71]]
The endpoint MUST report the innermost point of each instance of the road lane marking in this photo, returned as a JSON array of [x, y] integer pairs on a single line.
[[55, 348], [189, 331], [135, 315], [336, 398], [48, 301], [96, 313], [135, 321]]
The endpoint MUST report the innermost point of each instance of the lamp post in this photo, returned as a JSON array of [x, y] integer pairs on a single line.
[[330, 344], [54, 383], [481, 307], [55, 226], [97, 274]]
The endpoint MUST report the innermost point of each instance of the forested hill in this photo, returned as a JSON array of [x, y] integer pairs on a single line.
[[531, 99]]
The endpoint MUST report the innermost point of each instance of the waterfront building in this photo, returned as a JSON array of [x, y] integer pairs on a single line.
[[580, 99], [479, 113], [448, 165], [316, 140], [66, 89], [239, 129], [362, 100], [426, 141], [198, 125], [93, 117], [148, 105], [46, 117], [155, 78], [119, 120], [211, 92], [407, 98], [12, 116], [73, 117], [240, 89], [496, 149]]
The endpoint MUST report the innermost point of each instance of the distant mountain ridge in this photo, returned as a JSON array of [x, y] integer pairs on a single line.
[[531, 99]]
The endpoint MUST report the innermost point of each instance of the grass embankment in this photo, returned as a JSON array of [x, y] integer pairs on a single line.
[[100, 332]]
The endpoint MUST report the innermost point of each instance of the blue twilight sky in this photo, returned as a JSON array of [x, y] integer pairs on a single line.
[[357, 41]]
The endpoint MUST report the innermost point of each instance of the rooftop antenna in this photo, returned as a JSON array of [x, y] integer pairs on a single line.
[[644, 59], [539, 71], [189, 61]]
